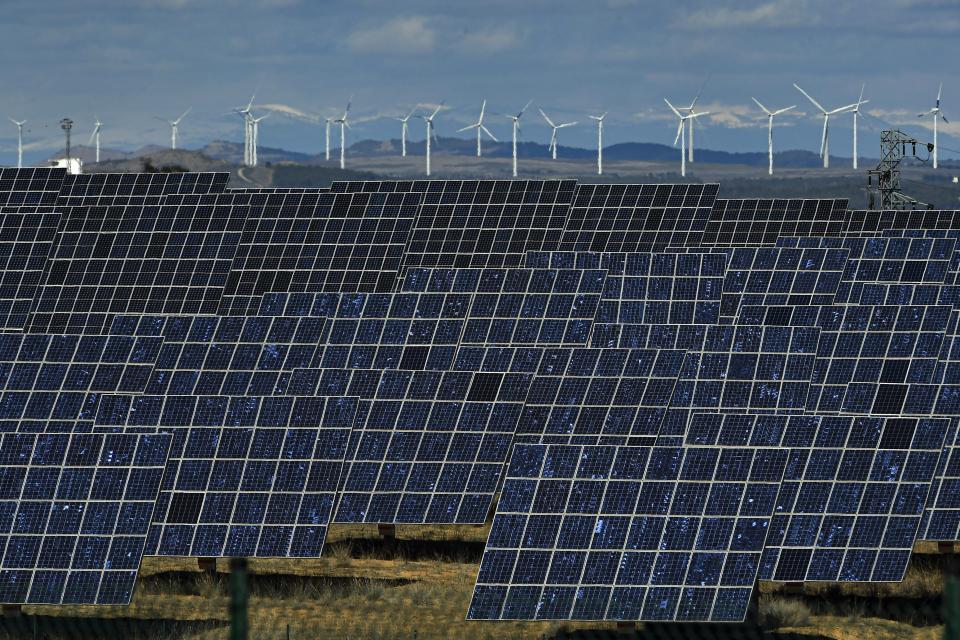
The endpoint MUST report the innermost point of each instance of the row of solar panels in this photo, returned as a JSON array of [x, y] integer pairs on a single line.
[[570, 359]]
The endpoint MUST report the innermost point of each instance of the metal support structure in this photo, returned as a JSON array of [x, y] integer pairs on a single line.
[[66, 124], [239, 595], [893, 149]]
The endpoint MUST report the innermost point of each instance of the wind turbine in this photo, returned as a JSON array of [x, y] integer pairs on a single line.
[[173, 127], [245, 114], [937, 115], [556, 128], [516, 130], [856, 112], [770, 115], [430, 132], [95, 136], [683, 140], [599, 120], [688, 111], [825, 140], [254, 134], [20, 124], [403, 131], [342, 121], [479, 126]]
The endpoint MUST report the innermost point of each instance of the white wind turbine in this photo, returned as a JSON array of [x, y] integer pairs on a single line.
[[937, 115], [247, 129], [770, 115], [556, 128], [403, 131], [344, 125], [430, 132], [20, 124], [856, 112], [825, 139], [254, 135], [481, 128], [689, 125], [173, 127], [680, 131], [599, 120], [95, 137], [516, 130]]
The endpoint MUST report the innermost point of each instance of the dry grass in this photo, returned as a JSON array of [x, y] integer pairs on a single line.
[[776, 612], [923, 579]]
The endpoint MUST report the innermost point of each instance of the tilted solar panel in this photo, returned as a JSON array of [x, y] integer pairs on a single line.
[[637, 217], [852, 495], [628, 533], [246, 476], [74, 513]]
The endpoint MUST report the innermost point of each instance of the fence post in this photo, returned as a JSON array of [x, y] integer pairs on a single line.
[[239, 624]]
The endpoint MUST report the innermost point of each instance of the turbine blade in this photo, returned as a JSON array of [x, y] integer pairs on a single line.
[[437, 110], [487, 131], [765, 110], [184, 114], [939, 89], [546, 117], [483, 108], [823, 138], [525, 107], [565, 125], [810, 98], [467, 128], [860, 100], [944, 118], [672, 108], [699, 91], [679, 132], [784, 110]]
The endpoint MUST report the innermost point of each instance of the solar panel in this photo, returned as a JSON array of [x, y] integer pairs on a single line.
[[628, 533], [779, 276], [246, 476], [381, 331], [74, 514], [852, 494], [599, 396], [428, 446], [30, 186], [637, 217], [764, 369], [762, 221], [647, 289], [52, 382], [167, 257], [862, 221], [318, 242], [892, 345]]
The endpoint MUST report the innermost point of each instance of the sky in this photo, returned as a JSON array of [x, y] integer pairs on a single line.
[[132, 62]]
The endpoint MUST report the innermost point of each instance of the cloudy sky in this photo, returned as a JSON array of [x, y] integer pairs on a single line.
[[128, 61]]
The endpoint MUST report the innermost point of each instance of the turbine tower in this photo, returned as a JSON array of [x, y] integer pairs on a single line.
[[344, 125], [556, 128], [516, 130], [173, 127], [430, 132], [688, 111], [770, 115], [856, 112], [254, 134], [825, 139], [247, 132], [328, 122], [95, 137], [20, 124], [599, 120], [680, 133], [937, 115], [403, 132], [479, 126]]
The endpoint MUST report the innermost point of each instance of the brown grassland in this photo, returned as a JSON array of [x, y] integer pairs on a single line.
[[419, 586]]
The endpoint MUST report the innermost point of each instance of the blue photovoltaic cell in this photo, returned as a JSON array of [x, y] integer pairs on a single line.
[[74, 514], [226, 355], [428, 446], [780, 275], [628, 533], [870, 222], [765, 369], [246, 476], [637, 217], [853, 492], [599, 396], [761, 221]]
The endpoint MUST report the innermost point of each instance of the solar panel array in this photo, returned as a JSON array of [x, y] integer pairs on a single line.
[[672, 395]]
